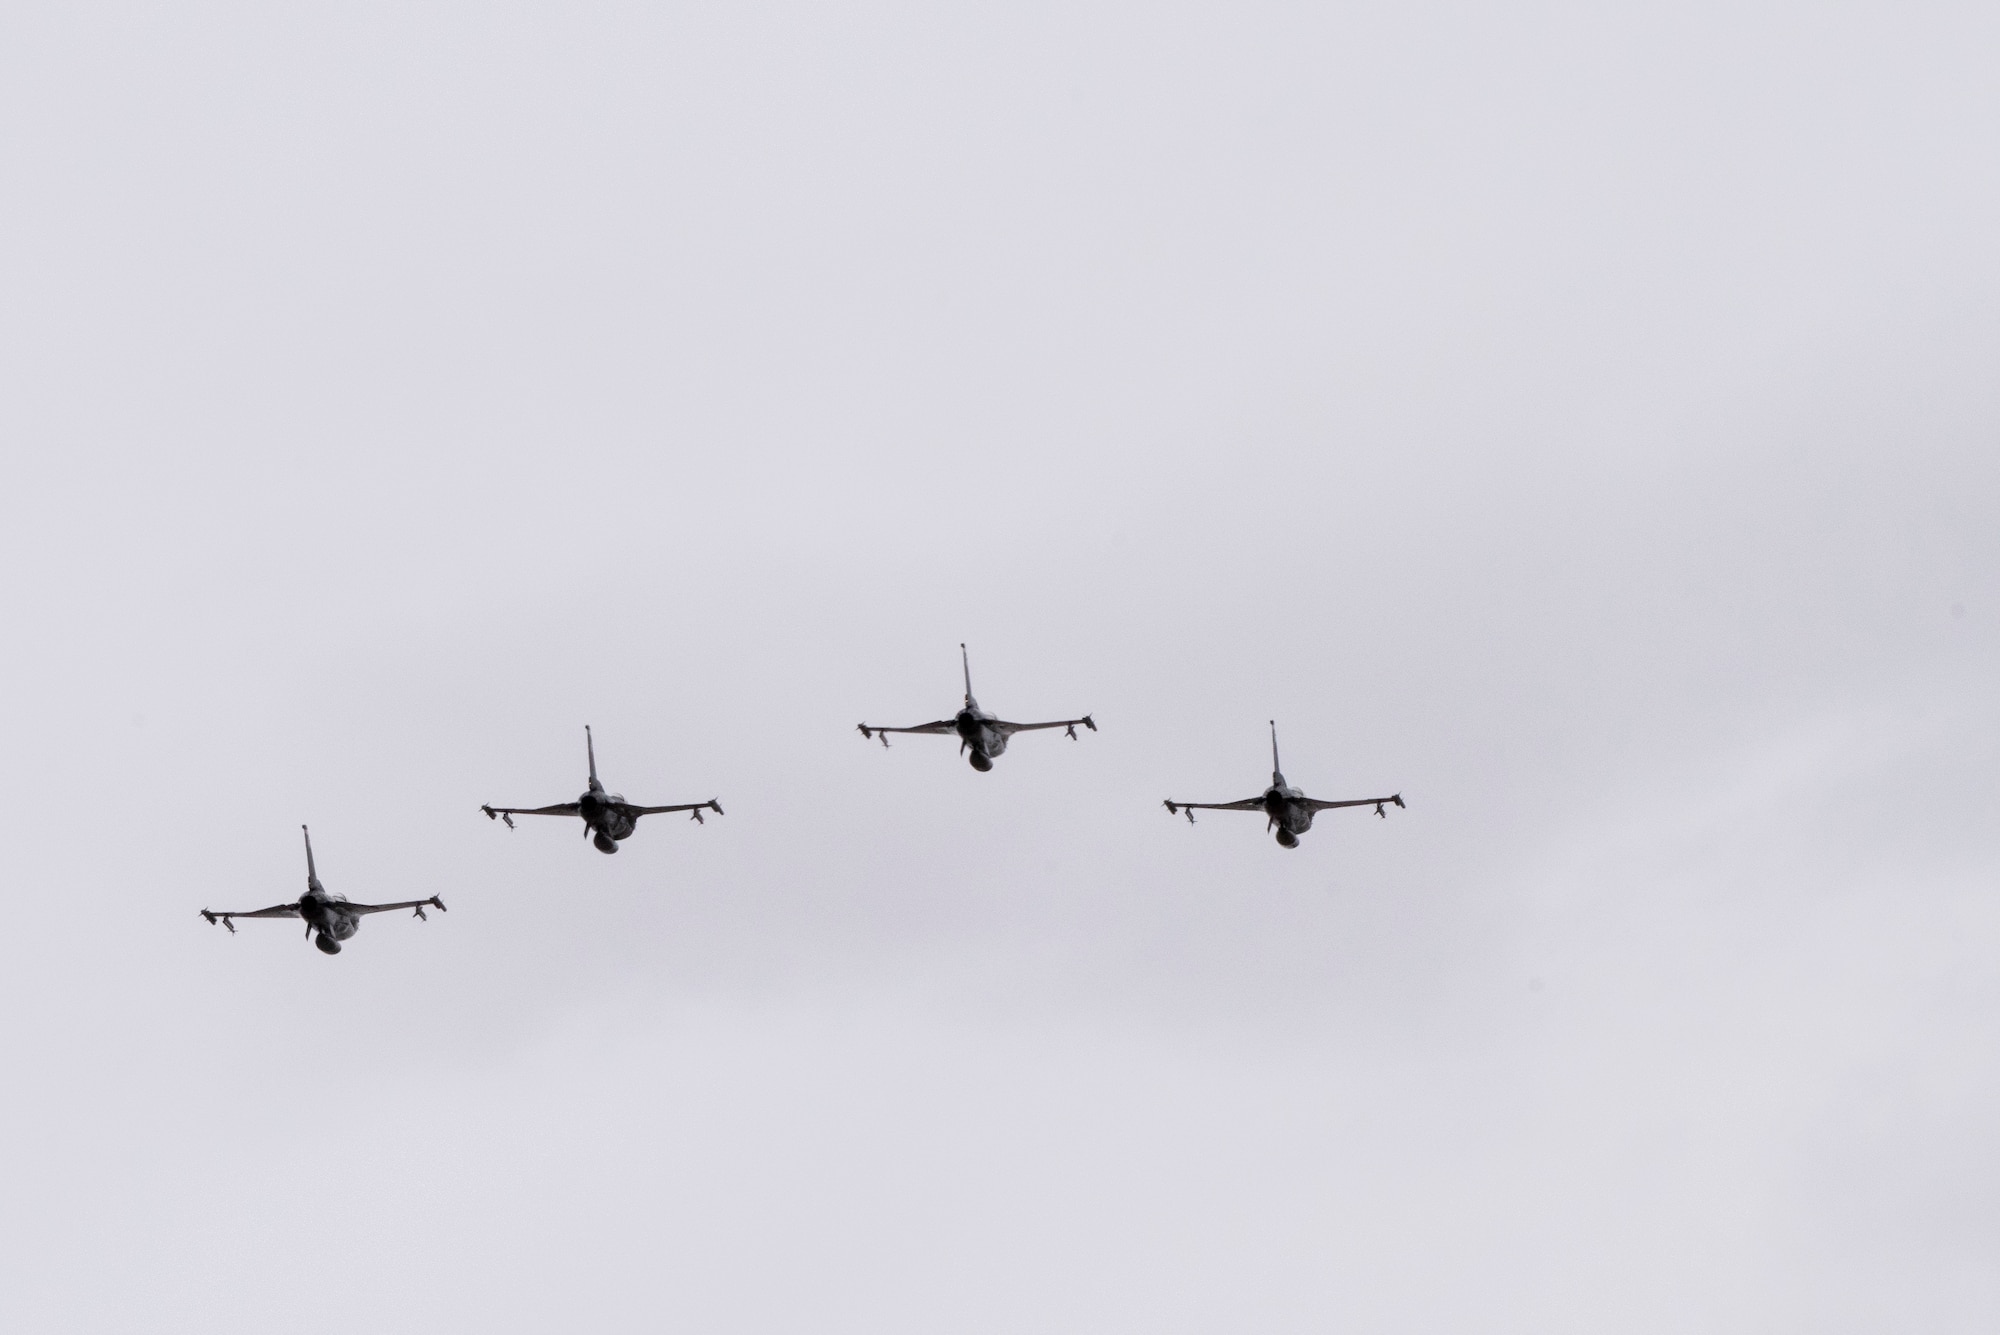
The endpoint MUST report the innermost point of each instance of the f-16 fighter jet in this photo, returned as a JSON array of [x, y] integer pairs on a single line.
[[978, 731], [1289, 811], [607, 817], [330, 919]]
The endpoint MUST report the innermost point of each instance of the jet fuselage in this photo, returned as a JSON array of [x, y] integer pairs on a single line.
[[602, 815], [324, 915], [982, 741], [600, 811], [1287, 809]]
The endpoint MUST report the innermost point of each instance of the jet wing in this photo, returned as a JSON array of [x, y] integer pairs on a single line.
[[1009, 729], [696, 807], [275, 911], [559, 809], [418, 904], [1376, 802], [1247, 804], [942, 725]]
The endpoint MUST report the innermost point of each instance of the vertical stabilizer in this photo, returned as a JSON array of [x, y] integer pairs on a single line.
[[312, 873], [590, 749], [966, 663], [1277, 774]]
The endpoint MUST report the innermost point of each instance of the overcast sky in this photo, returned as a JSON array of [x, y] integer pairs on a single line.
[[1581, 419]]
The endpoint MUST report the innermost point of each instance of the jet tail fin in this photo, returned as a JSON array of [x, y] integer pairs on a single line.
[[966, 663], [590, 750]]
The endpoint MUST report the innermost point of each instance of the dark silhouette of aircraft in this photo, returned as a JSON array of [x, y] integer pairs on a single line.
[[330, 919], [607, 817], [985, 735], [1290, 811]]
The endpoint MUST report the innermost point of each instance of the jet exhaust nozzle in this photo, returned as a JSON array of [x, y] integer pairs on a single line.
[[326, 944]]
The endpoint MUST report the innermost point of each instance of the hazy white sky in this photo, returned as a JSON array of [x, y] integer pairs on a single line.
[[1582, 419]]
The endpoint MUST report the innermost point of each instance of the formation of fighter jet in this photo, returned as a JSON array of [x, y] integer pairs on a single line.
[[1287, 810], [330, 919], [978, 731], [607, 817]]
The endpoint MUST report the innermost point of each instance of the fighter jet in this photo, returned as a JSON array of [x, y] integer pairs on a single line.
[[978, 731], [330, 919], [1289, 811], [607, 817]]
